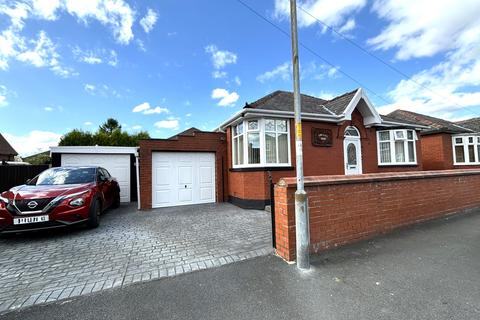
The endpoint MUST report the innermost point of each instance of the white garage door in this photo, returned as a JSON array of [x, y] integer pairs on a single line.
[[181, 178], [117, 164]]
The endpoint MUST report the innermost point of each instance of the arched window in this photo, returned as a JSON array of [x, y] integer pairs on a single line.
[[352, 132]]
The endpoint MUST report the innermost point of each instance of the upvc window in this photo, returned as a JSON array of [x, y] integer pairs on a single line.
[[466, 150], [397, 147], [264, 142]]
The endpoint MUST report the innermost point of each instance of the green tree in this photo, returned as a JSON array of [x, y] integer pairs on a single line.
[[110, 126], [77, 137], [109, 133]]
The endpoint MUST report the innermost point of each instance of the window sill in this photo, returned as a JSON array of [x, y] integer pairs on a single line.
[[467, 164], [258, 169], [399, 165]]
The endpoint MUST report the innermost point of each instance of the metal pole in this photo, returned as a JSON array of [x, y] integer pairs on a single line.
[[301, 210]]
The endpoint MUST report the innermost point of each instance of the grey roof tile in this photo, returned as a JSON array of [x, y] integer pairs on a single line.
[[472, 124], [436, 124]]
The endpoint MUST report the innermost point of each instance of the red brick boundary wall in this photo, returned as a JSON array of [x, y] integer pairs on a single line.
[[348, 209]]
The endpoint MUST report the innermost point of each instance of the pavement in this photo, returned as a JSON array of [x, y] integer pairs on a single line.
[[429, 271], [128, 247]]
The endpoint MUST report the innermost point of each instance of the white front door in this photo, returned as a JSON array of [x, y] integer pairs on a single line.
[[352, 150], [181, 178]]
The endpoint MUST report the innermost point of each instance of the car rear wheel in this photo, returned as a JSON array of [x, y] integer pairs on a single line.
[[95, 212]]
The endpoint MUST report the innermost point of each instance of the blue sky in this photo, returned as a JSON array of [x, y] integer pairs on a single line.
[[164, 66]]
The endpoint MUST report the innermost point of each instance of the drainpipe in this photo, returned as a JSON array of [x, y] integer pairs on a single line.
[[137, 167]]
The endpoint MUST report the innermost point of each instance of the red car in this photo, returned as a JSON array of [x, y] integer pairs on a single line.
[[59, 197]]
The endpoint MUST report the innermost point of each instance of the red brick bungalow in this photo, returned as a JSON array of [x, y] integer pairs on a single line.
[[446, 145], [342, 136]]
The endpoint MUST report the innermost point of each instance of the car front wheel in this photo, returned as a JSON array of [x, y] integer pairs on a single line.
[[95, 212]]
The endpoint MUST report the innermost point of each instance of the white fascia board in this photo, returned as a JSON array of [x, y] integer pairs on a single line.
[[406, 125], [279, 114], [94, 150], [376, 119]]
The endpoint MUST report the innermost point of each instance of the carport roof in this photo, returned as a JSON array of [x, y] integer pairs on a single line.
[[94, 150]]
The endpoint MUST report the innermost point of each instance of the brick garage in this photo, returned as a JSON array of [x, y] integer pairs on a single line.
[[193, 141], [348, 209]]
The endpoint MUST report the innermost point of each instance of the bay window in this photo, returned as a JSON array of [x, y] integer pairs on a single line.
[[466, 150], [397, 147], [264, 142]]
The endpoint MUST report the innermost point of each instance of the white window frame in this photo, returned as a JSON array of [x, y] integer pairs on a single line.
[[394, 136], [261, 130], [465, 144]]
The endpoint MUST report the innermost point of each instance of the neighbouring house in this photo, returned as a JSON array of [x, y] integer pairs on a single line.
[[7, 153], [341, 136], [472, 124], [446, 145]]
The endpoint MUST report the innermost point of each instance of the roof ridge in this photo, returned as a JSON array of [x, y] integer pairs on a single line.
[[426, 116], [343, 95]]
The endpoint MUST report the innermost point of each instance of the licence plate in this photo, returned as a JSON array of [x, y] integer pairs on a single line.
[[26, 220]]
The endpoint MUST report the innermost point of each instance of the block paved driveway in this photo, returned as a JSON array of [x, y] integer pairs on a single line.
[[128, 247]]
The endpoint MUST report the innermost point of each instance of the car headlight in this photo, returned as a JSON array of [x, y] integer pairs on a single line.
[[77, 202], [3, 199]]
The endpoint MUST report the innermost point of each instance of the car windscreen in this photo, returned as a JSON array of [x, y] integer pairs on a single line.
[[59, 176]]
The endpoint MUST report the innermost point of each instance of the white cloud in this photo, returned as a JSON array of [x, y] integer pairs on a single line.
[[149, 20], [220, 59], [238, 81], [87, 123], [418, 29], [96, 56], [188, 115], [40, 52], [102, 90], [170, 123], [333, 13], [3, 96], [225, 98], [147, 109], [90, 88], [116, 14], [137, 127], [43, 53], [310, 70], [282, 71], [326, 95], [219, 74], [48, 109], [348, 26], [452, 84], [34, 142]]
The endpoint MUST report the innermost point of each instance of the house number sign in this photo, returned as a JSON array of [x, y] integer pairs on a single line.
[[321, 137]]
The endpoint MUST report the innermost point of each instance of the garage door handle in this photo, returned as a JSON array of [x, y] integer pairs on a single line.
[[185, 186]]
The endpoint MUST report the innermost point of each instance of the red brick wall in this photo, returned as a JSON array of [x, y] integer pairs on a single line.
[[348, 209], [200, 142], [317, 160]]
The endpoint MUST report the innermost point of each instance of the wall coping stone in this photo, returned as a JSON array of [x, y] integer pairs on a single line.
[[311, 181]]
